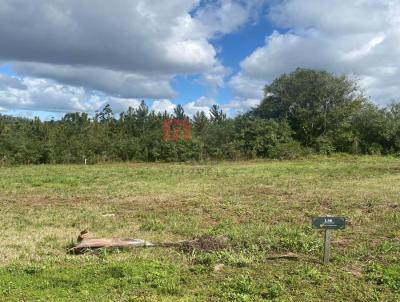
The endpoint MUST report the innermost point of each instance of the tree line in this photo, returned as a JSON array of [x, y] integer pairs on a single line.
[[304, 112]]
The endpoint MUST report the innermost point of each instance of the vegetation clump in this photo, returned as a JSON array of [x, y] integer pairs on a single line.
[[304, 112]]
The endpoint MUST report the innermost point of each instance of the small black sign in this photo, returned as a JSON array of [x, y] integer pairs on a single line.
[[329, 223]]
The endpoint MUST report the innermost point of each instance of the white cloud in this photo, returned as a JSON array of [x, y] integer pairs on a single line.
[[117, 83], [124, 48], [130, 35], [248, 92], [234, 107], [240, 105], [75, 55], [33, 93], [332, 16], [120, 104], [245, 86], [127, 48], [214, 78], [227, 16], [359, 37], [203, 103], [364, 50], [163, 105]]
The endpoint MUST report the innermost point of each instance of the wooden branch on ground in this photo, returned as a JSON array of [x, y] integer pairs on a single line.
[[85, 243], [205, 243]]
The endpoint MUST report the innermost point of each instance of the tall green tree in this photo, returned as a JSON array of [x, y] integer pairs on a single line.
[[217, 115], [200, 123], [179, 112], [315, 103]]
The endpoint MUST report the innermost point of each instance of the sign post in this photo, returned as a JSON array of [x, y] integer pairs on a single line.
[[328, 224], [327, 245]]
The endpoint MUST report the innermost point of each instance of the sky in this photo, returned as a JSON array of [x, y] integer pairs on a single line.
[[59, 56]]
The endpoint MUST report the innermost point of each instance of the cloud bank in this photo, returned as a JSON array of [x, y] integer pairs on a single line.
[[78, 55], [360, 37], [124, 49]]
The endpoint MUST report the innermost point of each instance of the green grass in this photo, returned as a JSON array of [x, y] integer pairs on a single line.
[[264, 208]]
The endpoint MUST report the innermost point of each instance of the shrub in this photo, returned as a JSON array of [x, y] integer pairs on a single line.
[[289, 150]]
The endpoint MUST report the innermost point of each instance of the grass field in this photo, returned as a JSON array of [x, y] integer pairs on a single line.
[[264, 208]]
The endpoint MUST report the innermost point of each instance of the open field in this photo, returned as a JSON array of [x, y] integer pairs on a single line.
[[264, 208]]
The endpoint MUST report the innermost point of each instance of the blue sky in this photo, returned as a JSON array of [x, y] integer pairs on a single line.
[[234, 48], [73, 56], [7, 70]]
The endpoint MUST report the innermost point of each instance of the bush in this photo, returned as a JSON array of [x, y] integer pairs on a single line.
[[324, 145], [375, 149], [289, 150]]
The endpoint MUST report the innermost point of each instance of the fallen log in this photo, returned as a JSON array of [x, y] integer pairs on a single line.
[[85, 243], [204, 243], [98, 243]]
